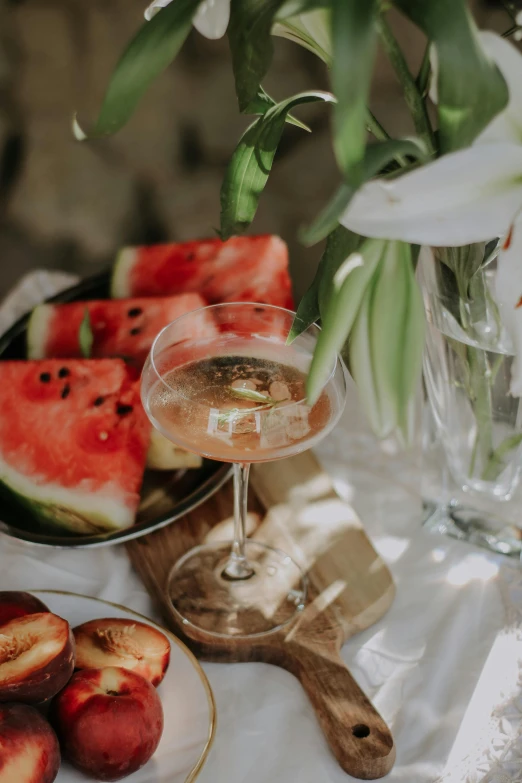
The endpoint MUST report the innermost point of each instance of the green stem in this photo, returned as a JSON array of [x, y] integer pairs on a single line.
[[375, 127], [411, 93], [423, 78], [499, 361], [480, 382], [377, 130], [509, 33], [496, 464]]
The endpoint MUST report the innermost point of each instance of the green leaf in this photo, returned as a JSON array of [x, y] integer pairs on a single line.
[[376, 157], [262, 102], [360, 361], [413, 342], [373, 301], [464, 262], [471, 89], [85, 336], [353, 39], [251, 394], [249, 35], [149, 53], [340, 244], [396, 336], [328, 218], [311, 29], [387, 341], [308, 310], [293, 7], [339, 303], [387, 321], [251, 163]]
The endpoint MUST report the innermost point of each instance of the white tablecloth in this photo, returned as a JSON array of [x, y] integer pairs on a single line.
[[443, 666]]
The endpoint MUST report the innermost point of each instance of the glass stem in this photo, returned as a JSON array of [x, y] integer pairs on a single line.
[[238, 566]]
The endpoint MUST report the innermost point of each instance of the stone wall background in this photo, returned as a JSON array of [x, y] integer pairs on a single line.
[[70, 206]]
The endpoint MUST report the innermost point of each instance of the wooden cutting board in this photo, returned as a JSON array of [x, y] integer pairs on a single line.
[[295, 508]]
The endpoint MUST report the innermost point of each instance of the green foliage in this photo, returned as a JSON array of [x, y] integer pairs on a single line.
[[366, 294], [149, 53], [471, 89], [347, 270], [353, 44], [249, 35], [364, 291], [340, 244], [291, 8], [387, 340], [376, 158], [262, 102], [250, 166]]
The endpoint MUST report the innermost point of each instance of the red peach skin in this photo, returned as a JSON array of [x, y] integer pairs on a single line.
[[109, 721], [14, 603], [29, 750]]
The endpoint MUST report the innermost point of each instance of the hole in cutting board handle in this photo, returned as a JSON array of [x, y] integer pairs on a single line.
[[360, 731]]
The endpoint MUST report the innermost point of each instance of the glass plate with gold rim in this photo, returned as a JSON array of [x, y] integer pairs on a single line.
[[187, 699]]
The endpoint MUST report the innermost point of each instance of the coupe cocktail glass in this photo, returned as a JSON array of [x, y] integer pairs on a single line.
[[223, 382]]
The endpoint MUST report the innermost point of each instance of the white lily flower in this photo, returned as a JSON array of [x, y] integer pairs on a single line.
[[472, 195], [211, 18]]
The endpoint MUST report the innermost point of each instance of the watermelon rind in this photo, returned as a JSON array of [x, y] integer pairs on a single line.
[[120, 281], [78, 510], [38, 330], [165, 455]]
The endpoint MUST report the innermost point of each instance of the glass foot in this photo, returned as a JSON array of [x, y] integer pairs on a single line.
[[479, 527], [207, 599]]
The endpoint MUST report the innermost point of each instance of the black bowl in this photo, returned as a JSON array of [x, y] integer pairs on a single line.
[[165, 495]]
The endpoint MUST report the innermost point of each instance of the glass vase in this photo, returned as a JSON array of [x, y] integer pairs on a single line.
[[473, 426]]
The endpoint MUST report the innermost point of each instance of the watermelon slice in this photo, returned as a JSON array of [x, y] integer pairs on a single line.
[[243, 269], [124, 328], [73, 441]]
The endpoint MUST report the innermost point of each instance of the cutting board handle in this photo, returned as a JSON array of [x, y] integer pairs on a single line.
[[356, 733]]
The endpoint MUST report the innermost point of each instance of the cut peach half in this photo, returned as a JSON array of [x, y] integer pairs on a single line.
[[14, 603], [36, 657], [115, 641]]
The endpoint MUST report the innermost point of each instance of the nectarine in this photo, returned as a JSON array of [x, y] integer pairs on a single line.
[[15, 603], [36, 657], [119, 642], [29, 750], [109, 721]]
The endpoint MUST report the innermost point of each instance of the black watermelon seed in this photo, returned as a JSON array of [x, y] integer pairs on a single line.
[[45, 377], [134, 312], [123, 410], [190, 256], [99, 401], [136, 330], [63, 372], [259, 309], [66, 391]]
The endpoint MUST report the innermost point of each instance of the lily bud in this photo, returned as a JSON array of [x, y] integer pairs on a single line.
[[386, 343]]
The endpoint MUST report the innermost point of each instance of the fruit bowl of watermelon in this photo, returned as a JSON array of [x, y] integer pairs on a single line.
[[79, 463]]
